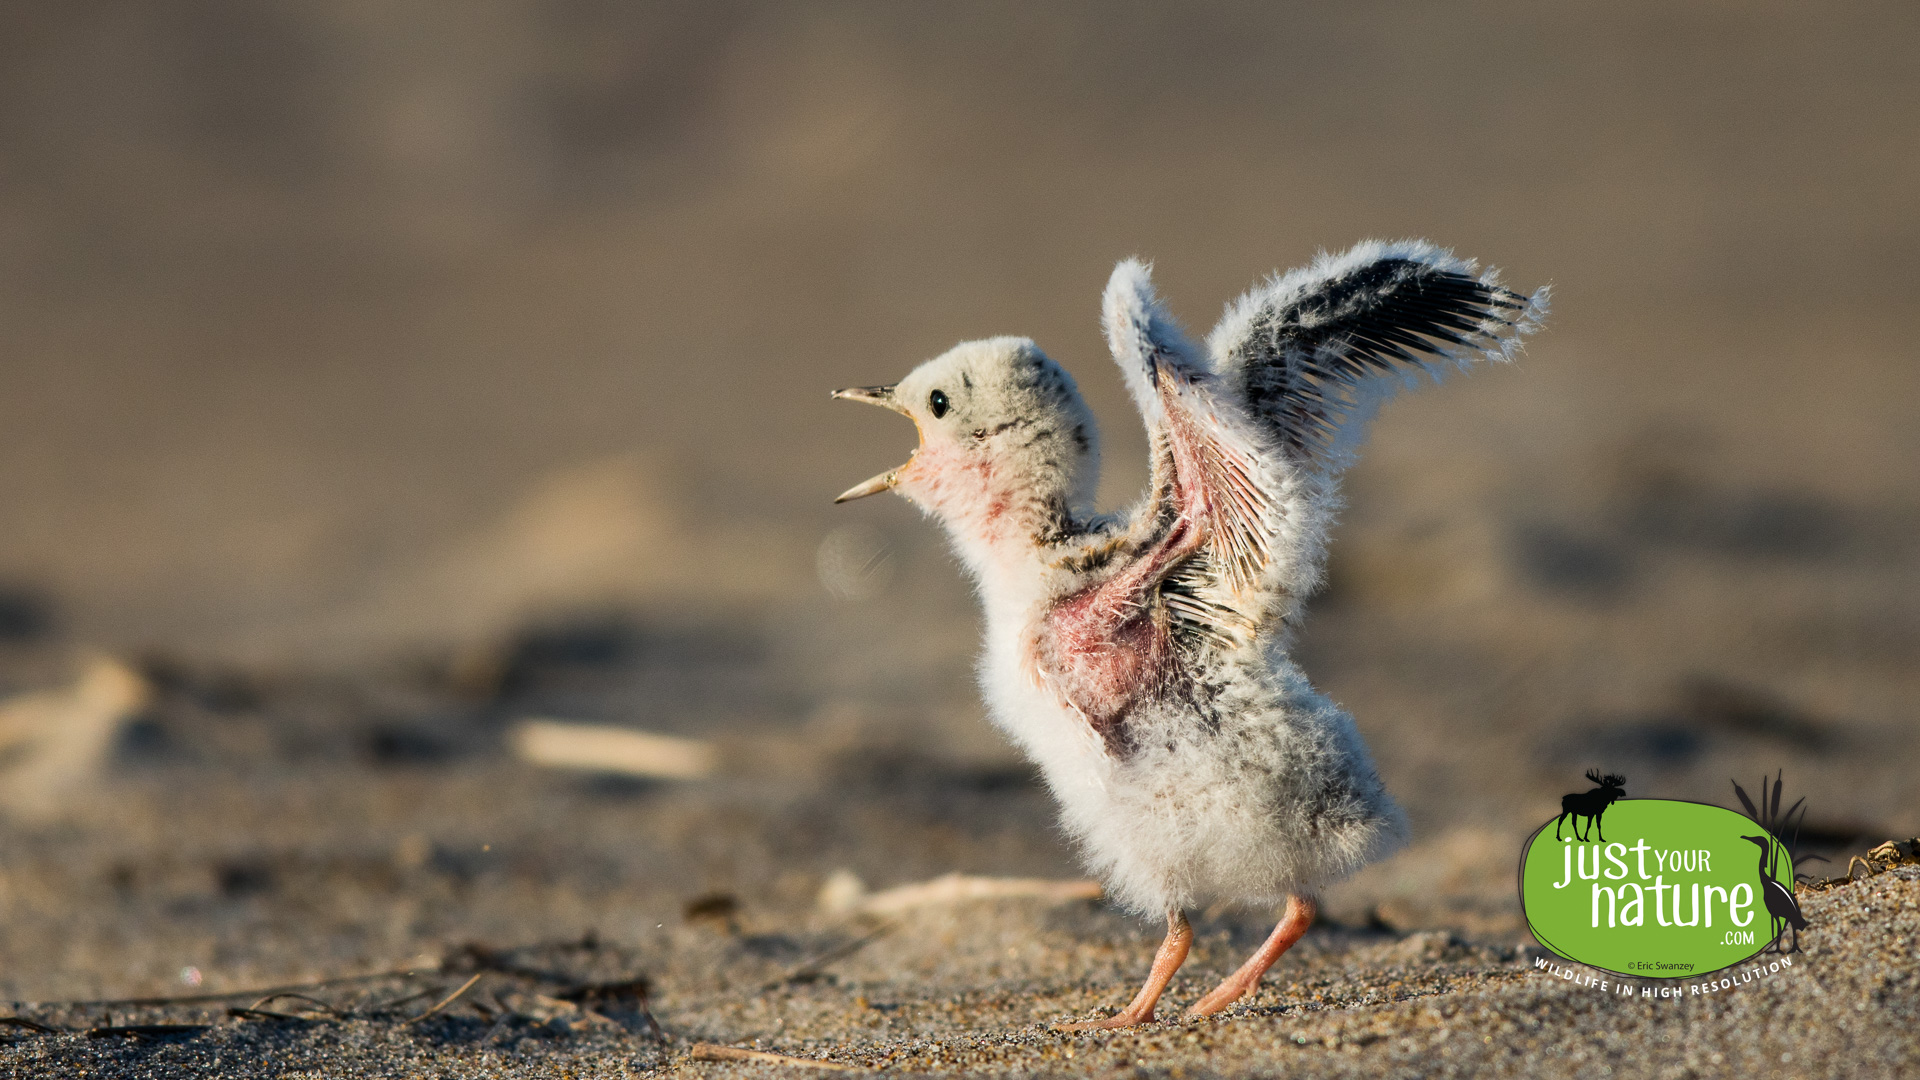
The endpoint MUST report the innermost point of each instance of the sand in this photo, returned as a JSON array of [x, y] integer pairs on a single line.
[[935, 993]]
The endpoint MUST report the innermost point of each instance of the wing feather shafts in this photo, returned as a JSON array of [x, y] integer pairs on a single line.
[[1249, 435], [1304, 347]]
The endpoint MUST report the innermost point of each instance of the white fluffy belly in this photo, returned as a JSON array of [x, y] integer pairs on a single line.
[[1283, 801]]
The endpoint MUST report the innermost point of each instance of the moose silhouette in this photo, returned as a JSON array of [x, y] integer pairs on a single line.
[[1590, 804]]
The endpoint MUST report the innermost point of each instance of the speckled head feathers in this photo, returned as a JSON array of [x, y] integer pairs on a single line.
[[1004, 434]]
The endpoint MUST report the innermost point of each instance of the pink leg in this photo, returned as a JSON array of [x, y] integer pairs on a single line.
[[1298, 916], [1173, 953]]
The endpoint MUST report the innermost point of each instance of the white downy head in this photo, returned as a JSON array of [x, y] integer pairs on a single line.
[[1008, 452]]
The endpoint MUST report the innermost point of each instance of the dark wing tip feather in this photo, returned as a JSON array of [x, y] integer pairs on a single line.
[[1306, 348]]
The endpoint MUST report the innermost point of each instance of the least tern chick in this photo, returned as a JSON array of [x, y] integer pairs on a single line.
[[1140, 658]]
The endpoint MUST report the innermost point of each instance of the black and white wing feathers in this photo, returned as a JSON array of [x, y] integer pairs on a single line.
[[1248, 435], [1313, 351]]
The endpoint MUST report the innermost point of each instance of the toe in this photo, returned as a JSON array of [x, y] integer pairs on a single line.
[[1121, 1020], [1211, 1004]]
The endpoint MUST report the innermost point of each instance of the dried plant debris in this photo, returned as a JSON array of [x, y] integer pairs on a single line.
[[619, 751], [1888, 856], [845, 894], [530, 986]]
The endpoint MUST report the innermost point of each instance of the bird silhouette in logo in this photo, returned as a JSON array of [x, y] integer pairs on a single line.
[[1780, 834], [1781, 905]]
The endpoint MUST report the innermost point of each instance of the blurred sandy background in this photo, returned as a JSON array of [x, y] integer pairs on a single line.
[[476, 357]]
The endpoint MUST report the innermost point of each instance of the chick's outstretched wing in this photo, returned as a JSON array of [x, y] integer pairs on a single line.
[[1248, 436], [1312, 352]]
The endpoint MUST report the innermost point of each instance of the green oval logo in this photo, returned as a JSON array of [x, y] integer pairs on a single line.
[[1675, 889]]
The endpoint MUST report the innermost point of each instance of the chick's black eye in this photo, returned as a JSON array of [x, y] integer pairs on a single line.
[[937, 401]]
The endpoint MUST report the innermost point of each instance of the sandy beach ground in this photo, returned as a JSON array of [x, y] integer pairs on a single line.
[[379, 379]]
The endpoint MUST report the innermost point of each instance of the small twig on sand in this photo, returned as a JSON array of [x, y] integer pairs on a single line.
[[399, 1001], [450, 998], [954, 888], [715, 1052], [314, 1001], [601, 748], [265, 1014], [815, 967], [229, 995], [146, 1031]]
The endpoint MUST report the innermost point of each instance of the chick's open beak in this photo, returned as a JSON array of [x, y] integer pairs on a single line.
[[883, 482], [872, 395], [883, 397]]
